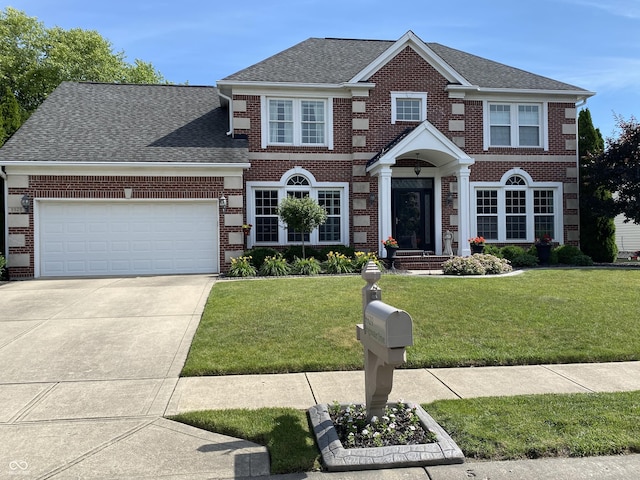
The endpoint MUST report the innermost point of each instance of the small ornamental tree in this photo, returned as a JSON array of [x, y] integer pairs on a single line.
[[301, 215]]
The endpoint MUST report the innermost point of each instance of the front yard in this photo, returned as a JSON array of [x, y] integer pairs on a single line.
[[279, 325], [542, 316]]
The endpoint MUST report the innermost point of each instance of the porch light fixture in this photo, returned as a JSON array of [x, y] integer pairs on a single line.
[[417, 168], [449, 200], [25, 202], [372, 199], [223, 203]]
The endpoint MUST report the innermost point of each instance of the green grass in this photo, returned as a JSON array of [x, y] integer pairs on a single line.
[[308, 324], [533, 426], [497, 428], [284, 431]]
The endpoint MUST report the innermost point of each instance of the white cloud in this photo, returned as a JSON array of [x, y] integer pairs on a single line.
[[599, 74], [620, 8]]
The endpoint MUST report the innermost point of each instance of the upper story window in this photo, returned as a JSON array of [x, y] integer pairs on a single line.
[[515, 125], [296, 122], [408, 107]]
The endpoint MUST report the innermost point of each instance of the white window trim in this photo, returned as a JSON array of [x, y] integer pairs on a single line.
[[422, 96], [297, 122], [544, 124], [312, 188], [501, 187]]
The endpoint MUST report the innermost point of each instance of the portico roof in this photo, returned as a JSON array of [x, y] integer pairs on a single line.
[[431, 145]]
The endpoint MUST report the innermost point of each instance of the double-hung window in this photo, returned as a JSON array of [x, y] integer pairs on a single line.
[[296, 122], [408, 107], [266, 215], [517, 209], [331, 200], [515, 125]]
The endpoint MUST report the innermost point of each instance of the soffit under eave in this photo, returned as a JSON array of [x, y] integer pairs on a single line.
[[517, 94], [411, 40], [129, 169], [341, 90]]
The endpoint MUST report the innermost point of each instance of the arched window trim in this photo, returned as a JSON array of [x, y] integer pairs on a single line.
[[280, 188], [501, 188]]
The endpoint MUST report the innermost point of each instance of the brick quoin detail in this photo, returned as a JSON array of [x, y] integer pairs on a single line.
[[407, 71]]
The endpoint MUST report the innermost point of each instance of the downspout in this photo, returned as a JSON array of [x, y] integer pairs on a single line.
[[5, 214], [230, 132]]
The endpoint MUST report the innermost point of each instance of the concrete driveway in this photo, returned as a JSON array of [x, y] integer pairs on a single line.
[[87, 368]]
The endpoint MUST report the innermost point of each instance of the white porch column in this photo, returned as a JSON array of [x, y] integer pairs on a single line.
[[384, 206], [464, 215]]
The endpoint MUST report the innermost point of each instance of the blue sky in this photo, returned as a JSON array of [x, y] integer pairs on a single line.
[[593, 44]]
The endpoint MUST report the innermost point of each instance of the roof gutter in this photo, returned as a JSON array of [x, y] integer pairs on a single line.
[[230, 132]]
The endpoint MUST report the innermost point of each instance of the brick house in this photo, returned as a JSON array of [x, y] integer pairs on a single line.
[[395, 138]]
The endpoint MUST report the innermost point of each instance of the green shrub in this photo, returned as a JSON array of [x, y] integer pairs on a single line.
[[582, 260], [306, 266], [344, 250], [494, 265], [258, 255], [275, 266], [477, 264], [294, 251], [360, 259], [566, 253], [338, 263], [3, 263], [525, 260], [511, 251], [493, 250], [241, 267], [463, 266]]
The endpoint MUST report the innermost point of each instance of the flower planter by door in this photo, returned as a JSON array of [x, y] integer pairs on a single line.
[[391, 255], [544, 253], [477, 248]]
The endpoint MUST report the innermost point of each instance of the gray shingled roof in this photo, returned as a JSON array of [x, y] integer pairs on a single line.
[[316, 60], [95, 122], [331, 60]]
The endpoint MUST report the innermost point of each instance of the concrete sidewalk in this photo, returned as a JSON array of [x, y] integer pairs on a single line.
[[90, 367], [301, 390]]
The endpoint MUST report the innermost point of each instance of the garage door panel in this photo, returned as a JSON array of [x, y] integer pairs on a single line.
[[117, 238]]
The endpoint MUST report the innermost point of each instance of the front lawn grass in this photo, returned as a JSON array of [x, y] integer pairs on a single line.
[[308, 323], [492, 428]]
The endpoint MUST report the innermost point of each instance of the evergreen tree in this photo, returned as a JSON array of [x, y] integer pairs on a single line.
[[597, 231]]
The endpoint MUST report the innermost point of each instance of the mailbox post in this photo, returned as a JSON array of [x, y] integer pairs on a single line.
[[384, 334]]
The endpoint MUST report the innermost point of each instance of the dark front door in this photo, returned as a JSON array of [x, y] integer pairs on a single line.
[[412, 207]]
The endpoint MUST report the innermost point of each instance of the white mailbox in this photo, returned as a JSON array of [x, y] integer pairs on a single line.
[[388, 325]]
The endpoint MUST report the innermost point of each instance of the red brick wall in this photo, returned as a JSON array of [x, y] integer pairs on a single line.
[[407, 71]]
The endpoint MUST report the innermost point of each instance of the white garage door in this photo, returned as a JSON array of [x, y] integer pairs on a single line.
[[127, 238]]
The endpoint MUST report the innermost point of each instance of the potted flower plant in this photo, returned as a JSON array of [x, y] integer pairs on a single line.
[[246, 229], [543, 247], [391, 245], [477, 244]]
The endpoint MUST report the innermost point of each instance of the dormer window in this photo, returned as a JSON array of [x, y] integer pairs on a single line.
[[408, 107]]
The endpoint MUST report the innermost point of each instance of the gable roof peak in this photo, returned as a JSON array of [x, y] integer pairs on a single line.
[[421, 48]]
